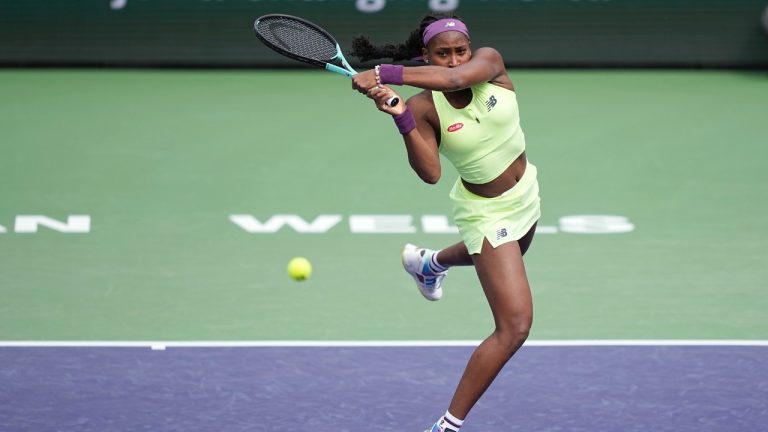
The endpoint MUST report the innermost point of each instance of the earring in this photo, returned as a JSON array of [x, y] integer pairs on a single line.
[[426, 61]]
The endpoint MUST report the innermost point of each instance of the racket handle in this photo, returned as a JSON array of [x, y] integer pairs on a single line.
[[394, 100]]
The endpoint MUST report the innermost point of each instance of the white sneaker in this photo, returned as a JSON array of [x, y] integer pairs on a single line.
[[416, 263]]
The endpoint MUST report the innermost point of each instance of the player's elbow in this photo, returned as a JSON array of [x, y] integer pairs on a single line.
[[430, 177], [427, 169]]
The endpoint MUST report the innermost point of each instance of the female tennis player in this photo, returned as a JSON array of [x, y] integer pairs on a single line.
[[468, 112]]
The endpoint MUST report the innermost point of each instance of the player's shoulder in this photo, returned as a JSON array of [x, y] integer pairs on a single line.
[[421, 102], [421, 99], [487, 53], [489, 59]]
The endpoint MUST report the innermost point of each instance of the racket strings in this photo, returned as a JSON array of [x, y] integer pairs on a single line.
[[297, 38]]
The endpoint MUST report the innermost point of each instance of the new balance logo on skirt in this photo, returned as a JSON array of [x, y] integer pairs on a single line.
[[501, 233]]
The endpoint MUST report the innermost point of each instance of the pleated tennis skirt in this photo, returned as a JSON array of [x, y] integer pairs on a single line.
[[501, 219]]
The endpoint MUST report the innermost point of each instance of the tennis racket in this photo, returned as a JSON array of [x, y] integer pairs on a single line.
[[306, 42]]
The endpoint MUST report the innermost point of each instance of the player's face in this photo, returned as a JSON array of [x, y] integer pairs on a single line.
[[449, 49]]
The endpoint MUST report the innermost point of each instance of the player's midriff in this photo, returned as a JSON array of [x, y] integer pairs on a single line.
[[504, 182]]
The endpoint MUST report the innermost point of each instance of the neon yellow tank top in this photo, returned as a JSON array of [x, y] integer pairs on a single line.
[[483, 138]]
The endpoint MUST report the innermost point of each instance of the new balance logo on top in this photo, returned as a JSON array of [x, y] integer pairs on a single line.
[[490, 103], [501, 233]]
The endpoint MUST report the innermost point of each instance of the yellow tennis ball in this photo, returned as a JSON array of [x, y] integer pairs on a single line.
[[299, 269]]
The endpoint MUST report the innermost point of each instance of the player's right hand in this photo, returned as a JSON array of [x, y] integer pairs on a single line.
[[381, 94], [364, 81]]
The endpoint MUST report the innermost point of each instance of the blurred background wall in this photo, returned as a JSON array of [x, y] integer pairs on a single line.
[[537, 33]]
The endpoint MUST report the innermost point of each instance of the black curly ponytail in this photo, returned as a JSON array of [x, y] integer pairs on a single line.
[[363, 49]]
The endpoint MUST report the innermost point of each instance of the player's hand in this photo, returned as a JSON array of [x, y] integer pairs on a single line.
[[364, 81], [381, 94]]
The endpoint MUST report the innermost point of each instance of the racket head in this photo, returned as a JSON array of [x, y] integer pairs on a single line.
[[297, 38]]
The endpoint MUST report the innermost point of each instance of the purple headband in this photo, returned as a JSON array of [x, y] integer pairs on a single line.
[[444, 25]]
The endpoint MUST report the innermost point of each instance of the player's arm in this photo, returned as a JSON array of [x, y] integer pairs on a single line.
[[486, 65], [420, 141], [421, 144]]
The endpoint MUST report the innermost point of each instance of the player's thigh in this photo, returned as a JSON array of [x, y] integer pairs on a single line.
[[502, 275]]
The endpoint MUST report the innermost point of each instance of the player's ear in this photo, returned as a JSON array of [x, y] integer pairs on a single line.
[[424, 55]]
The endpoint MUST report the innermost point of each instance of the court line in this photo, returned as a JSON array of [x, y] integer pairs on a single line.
[[161, 345]]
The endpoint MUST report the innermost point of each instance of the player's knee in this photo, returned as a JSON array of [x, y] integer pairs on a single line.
[[514, 333], [520, 333]]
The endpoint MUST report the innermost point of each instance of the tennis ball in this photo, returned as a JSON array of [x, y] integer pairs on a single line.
[[299, 269]]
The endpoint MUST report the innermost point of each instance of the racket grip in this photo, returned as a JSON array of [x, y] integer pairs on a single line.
[[394, 100]]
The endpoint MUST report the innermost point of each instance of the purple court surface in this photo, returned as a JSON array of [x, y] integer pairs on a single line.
[[232, 389]]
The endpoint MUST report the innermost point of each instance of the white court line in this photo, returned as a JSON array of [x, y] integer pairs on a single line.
[[161, 345]]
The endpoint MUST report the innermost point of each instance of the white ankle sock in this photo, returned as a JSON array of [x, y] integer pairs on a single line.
[[434, 265], [449, 422]]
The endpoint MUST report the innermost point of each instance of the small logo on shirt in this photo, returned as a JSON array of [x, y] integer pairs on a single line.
[[454, 127], [490, 103], [501, 233]]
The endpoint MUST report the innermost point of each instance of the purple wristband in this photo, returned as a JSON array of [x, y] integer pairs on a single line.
[[391, 74], [405, 121]]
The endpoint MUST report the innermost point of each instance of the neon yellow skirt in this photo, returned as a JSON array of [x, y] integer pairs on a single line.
[[501, 219]]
